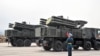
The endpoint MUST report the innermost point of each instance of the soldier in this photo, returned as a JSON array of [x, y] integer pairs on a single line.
[[69, 43]]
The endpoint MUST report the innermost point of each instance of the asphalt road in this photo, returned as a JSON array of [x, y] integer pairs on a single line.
[[6, 50]]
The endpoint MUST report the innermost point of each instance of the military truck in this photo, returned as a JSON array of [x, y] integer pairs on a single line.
[[21, 34], [54, 34]]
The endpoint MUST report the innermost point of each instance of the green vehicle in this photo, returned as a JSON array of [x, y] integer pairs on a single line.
[[54, 31], [21, 34]]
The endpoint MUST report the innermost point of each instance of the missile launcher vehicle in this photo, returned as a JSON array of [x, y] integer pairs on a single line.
[[51, 33], [21, 34], [54, 34]]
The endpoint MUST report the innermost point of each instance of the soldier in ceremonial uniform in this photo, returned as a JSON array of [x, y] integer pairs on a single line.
[[69, 43]]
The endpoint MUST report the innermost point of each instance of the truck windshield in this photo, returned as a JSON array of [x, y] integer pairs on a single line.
[[98, 34], [98, 31]]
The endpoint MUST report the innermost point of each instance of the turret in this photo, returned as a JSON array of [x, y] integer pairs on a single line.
[[23, 25], [59, 21]]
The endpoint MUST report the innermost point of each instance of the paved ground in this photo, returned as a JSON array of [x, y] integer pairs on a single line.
[[6, 50]]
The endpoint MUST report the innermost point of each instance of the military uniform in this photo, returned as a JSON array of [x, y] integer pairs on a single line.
[[69, 45]]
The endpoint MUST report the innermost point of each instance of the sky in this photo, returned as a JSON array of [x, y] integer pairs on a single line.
[[32, 10]]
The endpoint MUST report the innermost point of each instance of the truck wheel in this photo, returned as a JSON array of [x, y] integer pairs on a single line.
[[27, 42], [46, 45], [13, 43], [65, 46], [38, 43], [87, 45], [20, 42], [97, 46], [76, 47], [58, 46], [46, 48]]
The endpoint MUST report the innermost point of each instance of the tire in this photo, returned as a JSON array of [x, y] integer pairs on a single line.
[[97, 46], [64, 46], [20, 42], [27, 42], [58, 46], [13, 42], [76, 47], [38, 43], [87, 45], [46, 48], [46, 45]]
